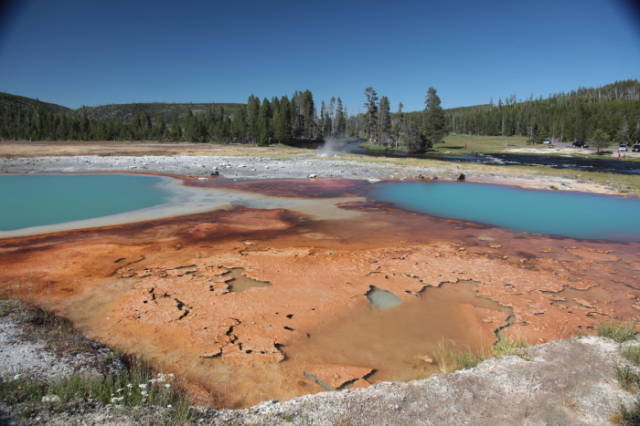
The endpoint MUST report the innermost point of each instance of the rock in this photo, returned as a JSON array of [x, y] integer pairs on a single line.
[[583, 303], [425, 358], [462, 177], [51, 399]]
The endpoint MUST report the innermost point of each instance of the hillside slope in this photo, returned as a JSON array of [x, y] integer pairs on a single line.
[[7, 100]]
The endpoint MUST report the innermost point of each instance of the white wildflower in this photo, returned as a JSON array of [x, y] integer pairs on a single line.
[[167, 385], [169, 406], [142, 386]]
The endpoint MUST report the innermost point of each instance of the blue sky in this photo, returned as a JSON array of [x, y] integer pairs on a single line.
[[81, 52]]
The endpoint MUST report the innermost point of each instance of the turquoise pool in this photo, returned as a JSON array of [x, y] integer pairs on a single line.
[[571, 214], [36, 200]]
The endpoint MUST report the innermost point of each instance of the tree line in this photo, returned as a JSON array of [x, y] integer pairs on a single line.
[[608, 113], [276, 120], [413, 132]]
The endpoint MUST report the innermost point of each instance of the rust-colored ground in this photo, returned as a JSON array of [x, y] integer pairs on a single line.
[[162, 290]]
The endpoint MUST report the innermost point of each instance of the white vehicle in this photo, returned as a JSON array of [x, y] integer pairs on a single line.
[[623, 147]]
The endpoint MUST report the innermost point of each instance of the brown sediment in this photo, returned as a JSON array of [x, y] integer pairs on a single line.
[[161, 289]]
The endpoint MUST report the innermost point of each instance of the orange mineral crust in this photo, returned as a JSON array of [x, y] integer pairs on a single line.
[[248, 305]]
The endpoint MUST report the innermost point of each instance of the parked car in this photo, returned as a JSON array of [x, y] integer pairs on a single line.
[[623, 147], [580, 144], [636, 148], [546, 142]]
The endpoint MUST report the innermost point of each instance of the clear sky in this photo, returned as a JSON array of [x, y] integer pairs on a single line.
[[91, 52]]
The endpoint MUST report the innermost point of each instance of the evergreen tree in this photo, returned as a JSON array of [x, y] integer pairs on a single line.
[[341, 120], [600, 139], [435, 122], [371, 115], [265, 132], [253, 113], [282, 121], [384, 122]]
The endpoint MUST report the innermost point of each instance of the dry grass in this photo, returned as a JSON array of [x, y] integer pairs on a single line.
[[620, 332], [44, 149], [449, 357]]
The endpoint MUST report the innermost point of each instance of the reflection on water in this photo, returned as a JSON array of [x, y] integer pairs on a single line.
[[239, 282], [382, 299]]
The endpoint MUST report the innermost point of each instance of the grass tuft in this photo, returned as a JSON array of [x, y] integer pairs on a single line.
[[632, 354], [628, 417], [619, 332], [627, 378], [135, 386], [506, 346]]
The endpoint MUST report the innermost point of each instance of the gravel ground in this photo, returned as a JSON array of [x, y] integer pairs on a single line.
[[232, 167], [24, 350], [296, 167]]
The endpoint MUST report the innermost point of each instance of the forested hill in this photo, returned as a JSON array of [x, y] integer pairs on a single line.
[[16, 102], [294, 119], [613, 109], [153, 109]]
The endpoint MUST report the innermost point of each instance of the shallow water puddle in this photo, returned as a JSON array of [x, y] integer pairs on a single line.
[[381, 298], [239, 282], [402, 342]]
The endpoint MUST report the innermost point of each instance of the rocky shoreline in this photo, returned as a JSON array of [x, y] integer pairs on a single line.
[[287, 167]]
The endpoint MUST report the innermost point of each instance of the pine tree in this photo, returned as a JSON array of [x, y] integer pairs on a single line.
[[341, 120], [253, 113], [265, 132], [282, 121], [384, 122], [435, 121], [371, 115], [600, 139]]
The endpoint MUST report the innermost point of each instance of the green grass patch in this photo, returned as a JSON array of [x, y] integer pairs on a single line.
[[627, 378], [450, 358], [620, 332], [632, 354], [467, 144], [135, 386], [506, 346]]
